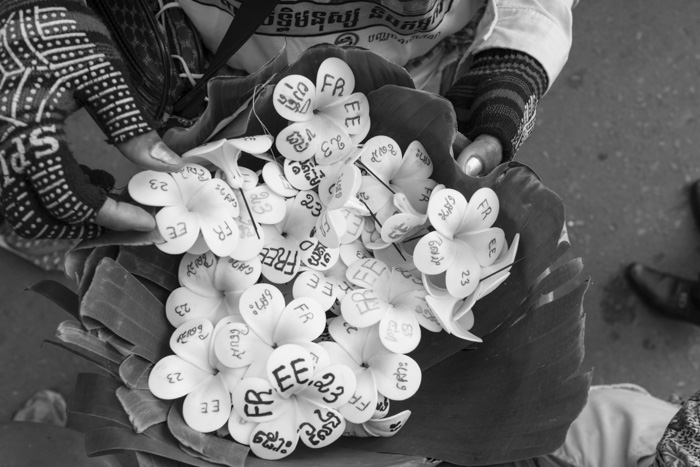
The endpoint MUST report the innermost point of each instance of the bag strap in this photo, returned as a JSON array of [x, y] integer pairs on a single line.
[[250, 14]]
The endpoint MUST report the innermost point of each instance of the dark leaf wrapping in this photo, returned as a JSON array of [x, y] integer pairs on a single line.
[[511, 397]]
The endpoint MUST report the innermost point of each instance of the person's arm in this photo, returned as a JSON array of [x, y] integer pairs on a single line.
[[55, 56], [521, 48]]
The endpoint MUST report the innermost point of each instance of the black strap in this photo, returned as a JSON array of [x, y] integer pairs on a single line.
[[249, 16]]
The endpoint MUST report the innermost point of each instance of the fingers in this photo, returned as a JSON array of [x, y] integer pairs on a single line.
[[28, 217], [481, 156], [120, 216], [148, 151]]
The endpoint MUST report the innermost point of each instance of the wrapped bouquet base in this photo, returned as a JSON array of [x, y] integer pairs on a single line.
[[209, 343]]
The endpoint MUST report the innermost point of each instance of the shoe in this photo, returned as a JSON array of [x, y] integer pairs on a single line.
[[695, 201], [671, 296]]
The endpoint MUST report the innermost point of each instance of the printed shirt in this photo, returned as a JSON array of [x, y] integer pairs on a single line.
[[402, 31]]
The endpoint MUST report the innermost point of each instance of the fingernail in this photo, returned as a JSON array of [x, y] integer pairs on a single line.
[[160, 152], [473, 167]]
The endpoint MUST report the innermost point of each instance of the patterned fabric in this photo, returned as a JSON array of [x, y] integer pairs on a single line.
[[53, 56], [680, 444], [158, 51], [499, 96]]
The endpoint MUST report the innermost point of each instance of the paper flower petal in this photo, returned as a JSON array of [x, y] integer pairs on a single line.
[[191, 342], [240, 430], [334, 80], [208, 407], [179, 227], [434, 253], [352, 113], [314, 285], [482, 211], [416, 191], [486, 244], [334, 142], [354, 224], [369, 273], [398, 227], [389, 426], [190, 179], [274, 177], [220, 233], [425, 316], [331, 387], [173, 377], [256, 144], [300, 141], [276, 439], [294, 98], [462, 326], [349, 338], [330, 227], [363, 307], [302, 319], [463, 275], [236, 276], [196, 272], [302, 213], [399, 330], [255, 400], [374, 194], [183, 305], [237, 346], [280, 260], [416, 163], [251, 239], [382, 156], [155, 189], [346, 186], [361, 406], [261, 306], [317, 256], [446, 211], [305, 175], [319, 426], [266, 206], [290, 368], [398, 377], [215, 198], [231, 376]]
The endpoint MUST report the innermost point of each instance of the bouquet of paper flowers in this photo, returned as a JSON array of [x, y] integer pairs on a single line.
[[323, 276]]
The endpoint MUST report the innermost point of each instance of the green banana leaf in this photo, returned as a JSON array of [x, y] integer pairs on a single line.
[[512, 397]]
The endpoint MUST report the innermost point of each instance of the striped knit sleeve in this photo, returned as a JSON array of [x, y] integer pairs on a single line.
[[499, 96]]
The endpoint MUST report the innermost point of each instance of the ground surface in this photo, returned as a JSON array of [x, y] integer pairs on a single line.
[[616, 138]]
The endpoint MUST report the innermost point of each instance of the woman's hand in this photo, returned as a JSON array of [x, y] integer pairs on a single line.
[[56, 56], [480, 156]]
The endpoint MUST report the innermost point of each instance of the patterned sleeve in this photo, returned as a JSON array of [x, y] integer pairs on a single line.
[[680, 444], [498, 96]]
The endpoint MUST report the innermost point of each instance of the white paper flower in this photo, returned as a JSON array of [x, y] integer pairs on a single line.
[[328, 117], [193, 372], [390, 172], [192, 202], [391, 298], [292, 398], [211, 288], [224, 155], [291, 244], [268, 324], [455, 315], [464, 241], [379, 426], [379, 373]]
